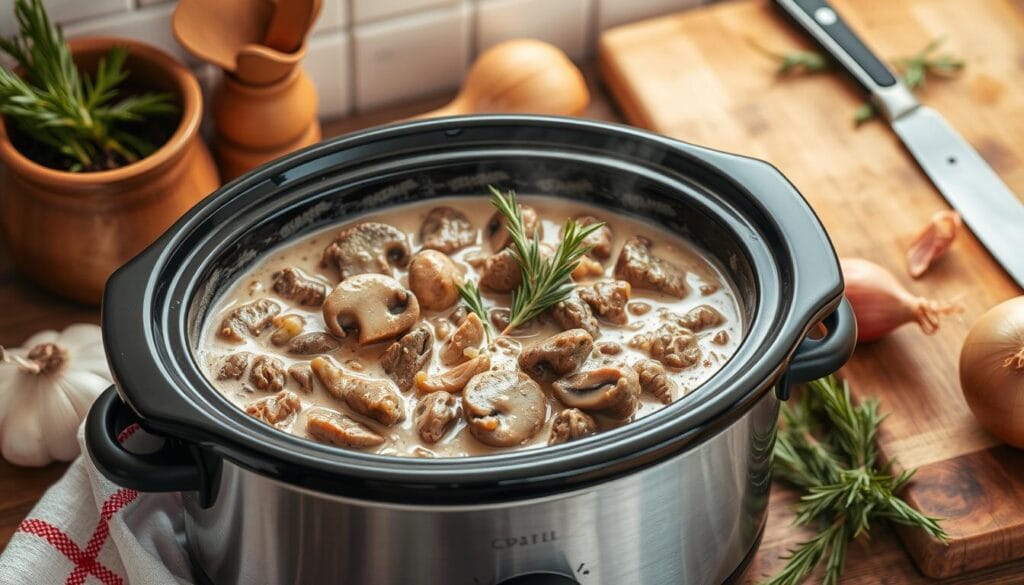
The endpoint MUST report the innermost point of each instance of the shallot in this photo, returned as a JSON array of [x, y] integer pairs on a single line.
[[933, 241], [992, 371], [881, 304]]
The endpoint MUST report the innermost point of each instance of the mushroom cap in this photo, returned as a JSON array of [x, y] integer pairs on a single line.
[[503, 408], [377, 305], [367, 247], [613, 390], [433, 278]]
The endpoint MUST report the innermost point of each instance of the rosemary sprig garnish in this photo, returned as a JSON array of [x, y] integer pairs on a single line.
[[545, 281], [470, 294], [846, 489], [914, 69]]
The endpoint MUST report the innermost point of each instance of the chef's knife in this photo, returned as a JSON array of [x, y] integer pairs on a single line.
[[988, 207]]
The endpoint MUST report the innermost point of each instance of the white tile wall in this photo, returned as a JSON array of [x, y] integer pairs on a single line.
[[367, 53], [564, 23], [415, 55]]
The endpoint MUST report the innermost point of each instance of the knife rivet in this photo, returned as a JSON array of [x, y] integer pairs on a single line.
[[825, 16], [951, 160]]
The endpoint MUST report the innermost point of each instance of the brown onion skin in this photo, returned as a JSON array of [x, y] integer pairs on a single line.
[[992, 371]]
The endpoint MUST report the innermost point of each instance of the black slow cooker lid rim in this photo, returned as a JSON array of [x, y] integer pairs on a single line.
[[167, 426]]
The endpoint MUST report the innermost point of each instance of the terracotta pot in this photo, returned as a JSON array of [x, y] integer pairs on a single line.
[[70, 231], [257, 123]]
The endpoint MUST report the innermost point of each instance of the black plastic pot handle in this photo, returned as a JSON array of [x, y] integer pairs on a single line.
[[815, 358], [171, 469]]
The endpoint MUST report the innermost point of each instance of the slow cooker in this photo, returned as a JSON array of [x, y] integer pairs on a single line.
[[678, 496]]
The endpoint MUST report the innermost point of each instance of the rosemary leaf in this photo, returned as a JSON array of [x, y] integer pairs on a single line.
[[545, 281], [470, 293]]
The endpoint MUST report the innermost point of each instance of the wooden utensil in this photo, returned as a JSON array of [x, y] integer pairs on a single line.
[[215, 31], [696, 77], [524, 76], [290, 23]]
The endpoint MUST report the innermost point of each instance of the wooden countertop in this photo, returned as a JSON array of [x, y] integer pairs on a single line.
[[25, 309]]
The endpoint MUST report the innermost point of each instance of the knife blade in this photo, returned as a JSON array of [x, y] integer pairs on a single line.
[[989, 208]]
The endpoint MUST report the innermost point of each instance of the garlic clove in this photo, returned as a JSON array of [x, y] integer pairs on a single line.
[[23, 440], [55, 409], [46, 336], [933, 241]]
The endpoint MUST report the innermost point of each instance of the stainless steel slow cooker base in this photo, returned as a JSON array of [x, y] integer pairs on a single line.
[[691, 519]]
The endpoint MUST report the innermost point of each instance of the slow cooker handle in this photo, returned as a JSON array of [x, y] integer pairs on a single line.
[[168, 470], [815, 358]]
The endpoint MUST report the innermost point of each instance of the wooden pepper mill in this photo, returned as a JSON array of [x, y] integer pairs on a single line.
[[266, 105]]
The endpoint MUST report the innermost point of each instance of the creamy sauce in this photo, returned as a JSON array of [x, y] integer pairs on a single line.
[[708, 286]]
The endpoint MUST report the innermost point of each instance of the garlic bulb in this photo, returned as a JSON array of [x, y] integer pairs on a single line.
[[46, 389]]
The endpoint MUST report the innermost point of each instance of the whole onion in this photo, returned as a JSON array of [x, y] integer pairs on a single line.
[[992, 371]]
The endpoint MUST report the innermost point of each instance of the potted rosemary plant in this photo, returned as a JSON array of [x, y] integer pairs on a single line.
[[100, 152]]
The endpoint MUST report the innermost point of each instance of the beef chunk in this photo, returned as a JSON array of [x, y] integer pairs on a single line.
[[374, 398], [699, 318], [654, 380], [312, 343], [267, 374], [570, 424], [277, 410], [293, 284], [446, 230], [303, 376], [641, 268], [468, 336], [252, 317], [608, 300], [234, 366], [671, 345], [721, 337], [601, 240], [435, 414], [574, 313], [328, 426], [403, 358], [557, 355], [501, 272]]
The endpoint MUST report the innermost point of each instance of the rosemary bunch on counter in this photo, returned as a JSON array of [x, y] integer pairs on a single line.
[[826, 447], [545, 281], [914, 69]]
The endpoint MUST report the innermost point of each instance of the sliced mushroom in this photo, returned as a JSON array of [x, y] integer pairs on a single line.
[[669, 344], [403, 358], [253, 317], [376, 306], [573, 313], [367, 248], [375, 398], [498, 235], [435, 414], [504, 408], [446, 230], [467, 337], [303, 376], [455, 379], [557, 355], [328, 426], [610, 389], [295, 285], [699, 318], [234, 366], [601, 240], [571, 424], [721, 337], [267, 373], [312, 343], [434, 279], [501, 272], [654, 380], [288, 326], [277, 410], [608, 300], [638, 266]]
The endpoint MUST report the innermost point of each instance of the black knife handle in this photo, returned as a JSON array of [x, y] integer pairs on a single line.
[[829, 29]]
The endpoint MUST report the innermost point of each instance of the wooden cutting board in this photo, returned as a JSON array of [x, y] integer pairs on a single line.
[[696, 76]]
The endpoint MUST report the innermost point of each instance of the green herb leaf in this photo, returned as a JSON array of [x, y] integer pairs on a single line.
[[826, 446], [545, 281]]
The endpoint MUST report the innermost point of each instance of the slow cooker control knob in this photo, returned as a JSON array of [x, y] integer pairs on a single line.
[[542, 578]]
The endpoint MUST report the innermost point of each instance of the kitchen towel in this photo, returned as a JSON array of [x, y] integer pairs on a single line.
[[86, 531]]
